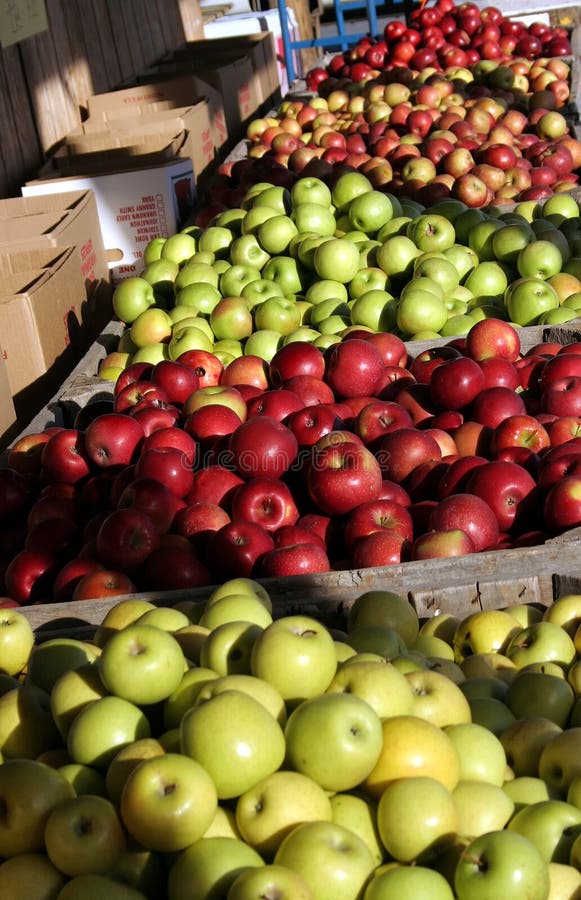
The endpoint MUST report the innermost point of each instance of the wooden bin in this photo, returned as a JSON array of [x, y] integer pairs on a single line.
[[461, 585]]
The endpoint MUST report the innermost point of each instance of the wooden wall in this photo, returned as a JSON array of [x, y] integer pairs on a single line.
[[91, 46]]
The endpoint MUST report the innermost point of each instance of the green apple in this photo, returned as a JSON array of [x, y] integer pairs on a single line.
[[442, 626], [165, 617], [141, 664], [161, 274], [309, 336], [510, 239], [334, 861], [481, 238], [125, 761], [297, 656], [153, 353], [368, 278], [481, 807], [30, 875], [153, 250], [538, 694], [416, 818], [370, 211], [186, 338], [231, 318], [257, 291], [223, 824], [131, 297], [84, 779], [307, 247], [95, 887], [311, 218], [565, 880], [539, 259], [431, 232], [72, 692], [413, 747], [247, 251], [383, 607], [168, 802], [481, 753], [27, 728], [486, 631], [184, 696], [236, 608], [275, 196], [234, 279], [379, 639], [347, 187], [265, 343], [277, 314], [209, 867], [16, 641], [566, 612], [501, 864], [29, 791], [465, 222], [217, 239], [491, 713], [381, 685], [287, 273], [558, 762], [335, 739], [337, 258], [326, 289], [376, 309], [255, 217], [271, 809], [247, 684], [310, 190], [437, 699], [541, 642], [487, 282], [421, 311], [551, 825], [436, 648], [527, 789], [438, 268], [528, 298], [270, 881], [195, 273], [408, 883], [152, 326], [123, 613], [102, 728], [235, 739], [179, 248], [84, 836]]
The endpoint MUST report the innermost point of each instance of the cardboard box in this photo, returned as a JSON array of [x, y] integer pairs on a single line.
[[41, 297], [246, 28], [59, 220], [7, 411], [134, 206], [231, 76], [164, 95]]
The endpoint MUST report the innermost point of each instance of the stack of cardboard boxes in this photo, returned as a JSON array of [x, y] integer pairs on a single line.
[[55, 295]]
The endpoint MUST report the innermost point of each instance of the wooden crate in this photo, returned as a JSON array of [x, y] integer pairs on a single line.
[[461, 585]]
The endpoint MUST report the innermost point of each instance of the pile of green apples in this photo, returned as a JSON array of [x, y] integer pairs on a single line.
[[209, 750], [310, 263]]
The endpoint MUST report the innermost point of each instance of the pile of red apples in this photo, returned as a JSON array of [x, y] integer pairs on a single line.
[[354, 457], [445, 35]]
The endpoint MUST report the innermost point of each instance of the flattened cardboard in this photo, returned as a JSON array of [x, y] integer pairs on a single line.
[[259, 35]]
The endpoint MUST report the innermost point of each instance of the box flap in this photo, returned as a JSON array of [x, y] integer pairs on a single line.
[[13, 262], [180, 91], [14, 230], [103, 152], [15, 207]]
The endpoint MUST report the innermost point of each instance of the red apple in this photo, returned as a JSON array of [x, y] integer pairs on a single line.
[[263, 446], [237, 548], [99, 583], [294, 559], [64, 457], [401, 451], [469, 513], [125, 539], [509, 490], [353, 368], [342, 476]]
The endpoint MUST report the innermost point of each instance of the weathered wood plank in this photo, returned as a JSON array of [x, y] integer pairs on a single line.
[[25, 130], [460, 585]]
